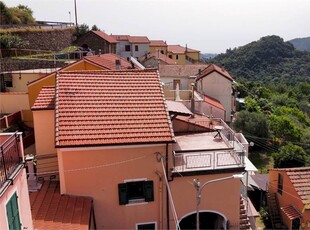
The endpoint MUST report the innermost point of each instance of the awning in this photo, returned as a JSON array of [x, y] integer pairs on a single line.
[[291, 212], [248, 165], [178, 108]]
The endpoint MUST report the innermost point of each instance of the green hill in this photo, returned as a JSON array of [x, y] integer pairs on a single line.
[[268, 60], [302, 44]]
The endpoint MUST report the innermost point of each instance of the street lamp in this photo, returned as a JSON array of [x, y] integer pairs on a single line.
[[200, 187]]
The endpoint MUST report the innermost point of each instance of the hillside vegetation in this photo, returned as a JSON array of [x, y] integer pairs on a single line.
[[302, 44], [268, 60]]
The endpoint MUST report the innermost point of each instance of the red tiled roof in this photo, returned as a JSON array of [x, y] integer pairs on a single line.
[[120, 37], [300, 179], [108, 61], [213, 102], [45, 99], [51, 210], [139, 39], [158, 43], [105, 36], [211, 68], [200, 121], [110, 107], [291, 212], [159, 56], [177, 49]]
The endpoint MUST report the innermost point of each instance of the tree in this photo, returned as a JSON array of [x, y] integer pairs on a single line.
[[95, 28], [16, 15], [252, 105], [81, 30], [8, 41], [290, 156]]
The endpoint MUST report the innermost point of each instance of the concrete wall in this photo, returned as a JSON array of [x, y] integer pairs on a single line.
[[21, 188], [102, 169]]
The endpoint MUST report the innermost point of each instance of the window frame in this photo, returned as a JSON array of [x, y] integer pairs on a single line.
[[127, 48], [280, 184], [136, 48], [145, 223], [17, 214]]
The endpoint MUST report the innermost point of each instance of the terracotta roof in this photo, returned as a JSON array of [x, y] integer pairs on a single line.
[[300, 179], [200, 121], [158, 43], [211, 68], [180, 70], [291, 212], [105, 36], [139, 39], [120, 37], [212, 101], [110, 107], [45, 99], [51, 210], [158, 56], [178, 108], [108, 61], [177, 49]]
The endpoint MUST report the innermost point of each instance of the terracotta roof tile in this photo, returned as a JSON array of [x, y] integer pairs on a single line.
[[108, 61], [300, 179], [110, 107], [45, 99], [211, 68], [104, 36], [213, 102], [158, 56], [120, 37], [180, 70], [200, 121], [177, 49], [158, 43], [139, 39], [51, 210]]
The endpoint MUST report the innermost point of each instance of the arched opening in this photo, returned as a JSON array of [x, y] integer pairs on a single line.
[[208, 220]]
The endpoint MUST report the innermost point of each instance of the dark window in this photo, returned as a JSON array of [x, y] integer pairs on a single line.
[[162, 52], [128, 58], [127, 47], [146, 226], [136, 48], [136, 191], [13, 213], [170, 56], [177, 57], [280, 183], [8, 79]]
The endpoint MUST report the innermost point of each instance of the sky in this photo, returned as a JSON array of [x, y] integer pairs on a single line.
[[211, 26]]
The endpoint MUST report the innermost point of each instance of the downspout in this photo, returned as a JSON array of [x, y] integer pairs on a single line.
[[93, 215], [167, 194], [161, 211]]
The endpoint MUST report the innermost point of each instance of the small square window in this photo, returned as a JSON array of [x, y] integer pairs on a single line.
[[177, 57], [136, 48], [127, 48]]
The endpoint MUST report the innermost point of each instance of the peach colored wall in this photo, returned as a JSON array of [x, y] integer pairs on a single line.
[[20, 81], [96, 172], [222, 197], [44, 126], [289, 196], [154, 49], [21, 188], [27, 117], [13, 102], [194, 56]]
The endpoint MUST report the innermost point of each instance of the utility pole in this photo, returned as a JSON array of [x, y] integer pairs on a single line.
[[76, 24]]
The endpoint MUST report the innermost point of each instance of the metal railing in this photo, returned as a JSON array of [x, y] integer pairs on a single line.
[[10, 157], [207, 160]]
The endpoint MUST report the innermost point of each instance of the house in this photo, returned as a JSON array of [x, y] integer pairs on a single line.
[[97, 41], [153, 60], [217, 83], [158, 46], [290, 189], [14, 199], [131, 46], [183, 55], [113, 135]]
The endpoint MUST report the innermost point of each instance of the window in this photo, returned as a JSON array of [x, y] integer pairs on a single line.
[[141, 226], [127, 47], [170, 56], [280, 183], [135, 192], [136, 48], [162, 52], [13, 213], [175, 83], [177, 57]]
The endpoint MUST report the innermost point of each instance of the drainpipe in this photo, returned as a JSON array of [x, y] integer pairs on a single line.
[[167, 194], [160, 199]]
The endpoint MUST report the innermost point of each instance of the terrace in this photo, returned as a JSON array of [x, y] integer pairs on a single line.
[[11, 158], [219, 149]]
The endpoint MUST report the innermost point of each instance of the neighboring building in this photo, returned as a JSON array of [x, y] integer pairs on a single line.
[[132, 46], [154, 60], [158, 46], [97, 41], [216, 82], [14, 198], [183, 55], [291, 189]]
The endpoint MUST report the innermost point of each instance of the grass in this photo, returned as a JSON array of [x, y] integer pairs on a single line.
[[262, 161], [259, 223]]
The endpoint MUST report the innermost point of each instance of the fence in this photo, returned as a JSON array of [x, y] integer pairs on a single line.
[[9, 120]]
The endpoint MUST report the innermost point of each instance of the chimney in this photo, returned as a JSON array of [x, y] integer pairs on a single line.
[[193, 100], [118, 64]]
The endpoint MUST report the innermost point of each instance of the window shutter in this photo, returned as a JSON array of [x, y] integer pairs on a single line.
[[148, 191], [122, 194], [13, 213]]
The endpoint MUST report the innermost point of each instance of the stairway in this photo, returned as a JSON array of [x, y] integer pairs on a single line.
[[273, 210], [244, 219]]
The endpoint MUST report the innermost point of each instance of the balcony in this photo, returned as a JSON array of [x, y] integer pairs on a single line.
[[217, 150], [11, 158]]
